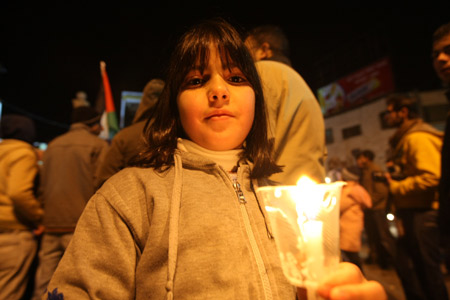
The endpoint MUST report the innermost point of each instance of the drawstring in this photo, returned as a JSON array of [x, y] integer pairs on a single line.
[[174, 215]]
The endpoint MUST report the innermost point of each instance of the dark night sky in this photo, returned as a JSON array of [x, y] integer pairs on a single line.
[[51, 52]]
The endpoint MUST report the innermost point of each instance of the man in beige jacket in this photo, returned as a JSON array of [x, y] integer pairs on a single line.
[[295, 119], [416, 150], [20, 211]]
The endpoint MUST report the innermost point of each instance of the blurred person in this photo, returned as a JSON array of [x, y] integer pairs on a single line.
[[354, 200], [67, 182], [441, 64], [382, 244], [376, 225], [334, 168], [80, 99], [295, 119], [20, 211], [186, 222], [416, 150], [129, 142]]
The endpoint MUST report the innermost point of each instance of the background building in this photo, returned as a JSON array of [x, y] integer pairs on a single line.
[[363, 127]]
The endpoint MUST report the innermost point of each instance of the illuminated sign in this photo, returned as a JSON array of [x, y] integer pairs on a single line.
[[364, 85]]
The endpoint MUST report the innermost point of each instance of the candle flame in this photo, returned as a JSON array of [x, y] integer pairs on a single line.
[[310, 198], [305, 181]]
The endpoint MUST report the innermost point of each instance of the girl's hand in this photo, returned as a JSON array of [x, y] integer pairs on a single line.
[[348, 283]]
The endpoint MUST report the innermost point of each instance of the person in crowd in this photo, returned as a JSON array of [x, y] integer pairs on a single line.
[[128, 142], [20, 211], [380, 239], [416, 150], [441, 64], [186, 223], [67, 183], [295, 119], [334, 168], [354, 200], [80, 99]]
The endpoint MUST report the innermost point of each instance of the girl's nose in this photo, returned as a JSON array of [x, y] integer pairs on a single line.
[[442, 55], [218, 92]]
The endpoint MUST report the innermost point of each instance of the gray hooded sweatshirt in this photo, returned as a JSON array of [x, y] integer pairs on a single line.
[[189, 232]]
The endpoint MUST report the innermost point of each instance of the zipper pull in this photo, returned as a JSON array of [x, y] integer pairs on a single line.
[[239, 193]]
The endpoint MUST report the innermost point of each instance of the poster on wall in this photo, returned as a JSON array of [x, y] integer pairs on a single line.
[[362, 86]]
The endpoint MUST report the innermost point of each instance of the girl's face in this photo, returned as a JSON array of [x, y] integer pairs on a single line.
[[217, 106]]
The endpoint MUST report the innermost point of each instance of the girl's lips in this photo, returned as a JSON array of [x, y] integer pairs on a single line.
[[218, 114], [445, 70]]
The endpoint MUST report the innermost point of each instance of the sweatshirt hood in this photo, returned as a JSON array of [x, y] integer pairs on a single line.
[[414, 125]]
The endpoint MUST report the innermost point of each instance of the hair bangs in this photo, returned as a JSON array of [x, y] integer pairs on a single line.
[[196, 52]]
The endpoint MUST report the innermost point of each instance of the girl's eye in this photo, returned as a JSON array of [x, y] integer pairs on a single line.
[[235, 76], [237, 79], [193, 82]]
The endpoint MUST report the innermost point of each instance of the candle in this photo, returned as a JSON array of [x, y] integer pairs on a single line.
[[312, 234], [305, 222], [309, 206]]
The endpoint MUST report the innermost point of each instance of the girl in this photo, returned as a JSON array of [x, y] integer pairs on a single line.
[[186, 222]]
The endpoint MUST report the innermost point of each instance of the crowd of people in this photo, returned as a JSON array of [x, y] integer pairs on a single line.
[[414, 185], [168, 207]]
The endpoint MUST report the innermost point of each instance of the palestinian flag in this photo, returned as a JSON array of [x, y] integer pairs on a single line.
[[105, 103]]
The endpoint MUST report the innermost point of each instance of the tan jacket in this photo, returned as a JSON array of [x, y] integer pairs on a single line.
[[354, 200], [19, 208], [418, 153], [295, 122], [68, 174]]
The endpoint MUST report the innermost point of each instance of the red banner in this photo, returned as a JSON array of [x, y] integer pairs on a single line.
[[371, 82]]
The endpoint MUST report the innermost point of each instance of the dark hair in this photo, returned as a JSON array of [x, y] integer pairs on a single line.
[[86, 115], [367, 153], [441, 32], [18, 127], [275, 36], [192, 49], [352, 173], [398, 101], [334, 162]]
